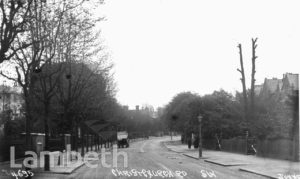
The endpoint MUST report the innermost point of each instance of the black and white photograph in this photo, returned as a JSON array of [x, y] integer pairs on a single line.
[[142, 89]]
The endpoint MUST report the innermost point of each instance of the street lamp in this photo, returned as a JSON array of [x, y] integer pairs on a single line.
[[200, 136]]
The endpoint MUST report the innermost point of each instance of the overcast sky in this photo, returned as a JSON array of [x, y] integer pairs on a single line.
[[163, 47]]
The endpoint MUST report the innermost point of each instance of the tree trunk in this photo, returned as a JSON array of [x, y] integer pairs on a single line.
[[243, 80], [76, 137], [28, 118], [252, 94], [82, 141], [28, 125], [46, 128]]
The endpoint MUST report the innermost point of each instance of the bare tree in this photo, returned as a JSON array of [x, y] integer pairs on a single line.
[[78, 46], [37, 68], [248, 108], [243, 80], [252, 92], [43, 28], [14, 18], [56, 51]]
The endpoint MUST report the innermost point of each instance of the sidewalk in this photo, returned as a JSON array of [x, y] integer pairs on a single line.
[[271, 168]]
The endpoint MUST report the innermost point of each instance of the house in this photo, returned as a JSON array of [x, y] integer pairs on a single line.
[[11, 99], [271, 87], [290, 83], [257, 89], [280, 88]]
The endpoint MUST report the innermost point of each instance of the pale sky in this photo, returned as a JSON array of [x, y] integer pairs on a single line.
[[163, 47]]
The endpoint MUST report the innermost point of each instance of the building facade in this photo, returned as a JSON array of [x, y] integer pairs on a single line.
[[11, 101], [278, 88]]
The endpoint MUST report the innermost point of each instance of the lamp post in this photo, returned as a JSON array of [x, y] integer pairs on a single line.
[[247, 135], [200, 136]]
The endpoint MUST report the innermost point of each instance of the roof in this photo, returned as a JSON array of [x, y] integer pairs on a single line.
[[100, 128], [273, 84], [108, 134], [92, 122]]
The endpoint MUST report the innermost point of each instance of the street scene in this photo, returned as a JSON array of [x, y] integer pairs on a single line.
[[149, 89]]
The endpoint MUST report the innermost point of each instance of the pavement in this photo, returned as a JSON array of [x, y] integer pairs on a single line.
[[267, 167]]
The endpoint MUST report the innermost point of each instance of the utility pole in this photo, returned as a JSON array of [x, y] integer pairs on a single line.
[[200, 136]]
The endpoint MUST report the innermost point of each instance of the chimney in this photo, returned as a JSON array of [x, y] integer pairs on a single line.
[[137, 107]]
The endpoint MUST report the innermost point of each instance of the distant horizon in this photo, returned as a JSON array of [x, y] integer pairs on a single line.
[[233, 93], [132, 107]]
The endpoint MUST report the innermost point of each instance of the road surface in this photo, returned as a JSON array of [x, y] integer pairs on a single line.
[[151, 159]]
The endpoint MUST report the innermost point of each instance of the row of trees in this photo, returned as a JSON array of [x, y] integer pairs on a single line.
[[53, 52], [223, 116], [139, 123], [220, 114], [228, 116]]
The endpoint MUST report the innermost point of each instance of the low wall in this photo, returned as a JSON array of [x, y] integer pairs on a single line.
[[278, 148]]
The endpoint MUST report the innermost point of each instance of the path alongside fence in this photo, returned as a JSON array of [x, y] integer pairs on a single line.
[[271, 168]]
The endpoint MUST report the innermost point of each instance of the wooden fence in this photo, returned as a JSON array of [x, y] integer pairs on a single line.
[[285, 149], [278, 148]]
